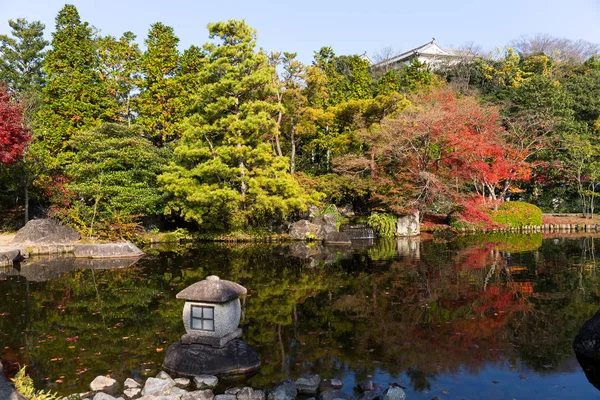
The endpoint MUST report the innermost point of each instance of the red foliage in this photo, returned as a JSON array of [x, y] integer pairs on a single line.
[[445, 145], [13, 134]]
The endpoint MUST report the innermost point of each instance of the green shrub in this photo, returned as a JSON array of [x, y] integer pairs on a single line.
[[383, 224], [515, 214]]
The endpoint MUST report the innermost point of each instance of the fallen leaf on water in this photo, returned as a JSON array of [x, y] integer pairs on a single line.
[[159, 349]]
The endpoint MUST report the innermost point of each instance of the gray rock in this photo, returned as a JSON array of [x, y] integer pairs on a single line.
[[587, 341], [107, 250], [331, 384], [358, 231], [157, 387], [225, 397], [199, 395], [337, 238], [45, 231], [235, 358], [394, 393], [368, 395], [333, 394], [346, 210], [132, 393], [247, 393], [326, 224], [206, 381], [104, 396], [284, 391], [10, 255], [182, 382], [164, 375], [365, 386], [175, 391], [308, 384], [104, 384], [408, 225], [302, 229], [233, 390], [131, 384]]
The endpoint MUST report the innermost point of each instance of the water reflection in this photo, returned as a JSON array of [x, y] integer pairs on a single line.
[[490, 316]]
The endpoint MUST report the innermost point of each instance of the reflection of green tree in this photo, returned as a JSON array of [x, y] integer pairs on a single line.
[[440, 313]]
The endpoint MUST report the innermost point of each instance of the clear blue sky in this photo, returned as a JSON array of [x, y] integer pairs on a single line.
[[349, 26]]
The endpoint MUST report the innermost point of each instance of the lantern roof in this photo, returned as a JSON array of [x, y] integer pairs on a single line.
[[212, 290]]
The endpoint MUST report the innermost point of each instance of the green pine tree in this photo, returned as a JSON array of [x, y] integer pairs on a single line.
[[228, 175], [159, 105]]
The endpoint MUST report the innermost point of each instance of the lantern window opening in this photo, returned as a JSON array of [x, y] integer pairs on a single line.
[[203, 318]]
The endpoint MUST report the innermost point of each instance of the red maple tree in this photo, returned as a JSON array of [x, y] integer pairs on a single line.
[[14, 136], [443, 148]]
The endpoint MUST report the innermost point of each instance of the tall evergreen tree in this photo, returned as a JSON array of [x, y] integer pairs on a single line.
[[227, 175], [159, 104], [120, 68], [21, 56], [75, 95]]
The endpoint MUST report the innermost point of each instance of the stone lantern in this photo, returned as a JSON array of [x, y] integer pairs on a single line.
[[212, 343], [212, 311]]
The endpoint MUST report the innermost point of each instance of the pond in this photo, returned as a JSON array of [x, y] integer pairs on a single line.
[[489, 316]]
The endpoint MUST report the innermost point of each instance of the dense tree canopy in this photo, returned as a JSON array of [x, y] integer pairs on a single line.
[[257, 137]]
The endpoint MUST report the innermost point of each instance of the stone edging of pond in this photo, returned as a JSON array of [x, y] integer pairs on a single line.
[[11, 254], [537, 228], [204, 387]]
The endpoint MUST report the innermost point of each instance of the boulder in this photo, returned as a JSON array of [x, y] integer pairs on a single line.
[[235, 359], [131, 384], [104, 396], [132, 393], [104, 384], [587, 341], [247, 393], [408, 225], [308, 384], [157, 387], [365, 386], [394, 393], [107, 250], [368, 395], [347, 210], [225, 397], [165, 376], [206, 381], [233, 390], [303, 229], [286, 390], [337, 238], [333, 394], [331, 384], [182, 383], [10, 255], [326, 224], [45, 231], [199, 395], [358, 231]]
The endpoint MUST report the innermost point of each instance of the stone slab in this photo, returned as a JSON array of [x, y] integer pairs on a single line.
[[107, 250]]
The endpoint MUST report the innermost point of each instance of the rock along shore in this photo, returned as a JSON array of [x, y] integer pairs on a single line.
[[206, 387]]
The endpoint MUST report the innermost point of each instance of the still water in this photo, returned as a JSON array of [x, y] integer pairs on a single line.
[[482, 317]]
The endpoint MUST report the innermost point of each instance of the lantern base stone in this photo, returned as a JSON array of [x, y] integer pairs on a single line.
[[236, 359]]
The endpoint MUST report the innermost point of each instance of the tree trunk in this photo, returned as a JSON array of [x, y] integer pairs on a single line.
[[242, 174], [293, 154], [26, 201]]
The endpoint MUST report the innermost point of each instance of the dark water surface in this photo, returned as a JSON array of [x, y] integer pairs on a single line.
[[485, 317]]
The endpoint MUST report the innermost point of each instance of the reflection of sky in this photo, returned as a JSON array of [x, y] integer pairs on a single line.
[[519, 383]]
